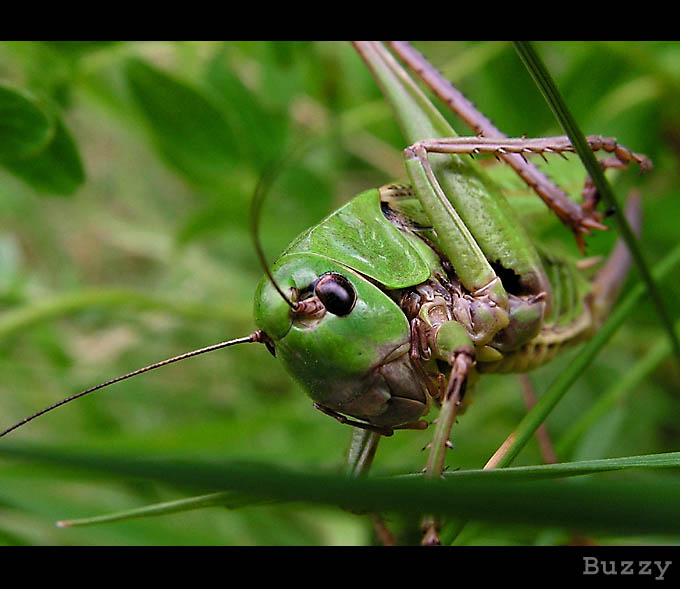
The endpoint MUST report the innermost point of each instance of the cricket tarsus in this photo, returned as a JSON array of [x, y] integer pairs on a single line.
[[256, 336]]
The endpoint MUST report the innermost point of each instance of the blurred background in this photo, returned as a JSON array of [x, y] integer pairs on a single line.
[[124, 240]]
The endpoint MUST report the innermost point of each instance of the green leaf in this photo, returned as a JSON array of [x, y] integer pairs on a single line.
[[57, 169], [25, 127], [262, 131], [188, 129]]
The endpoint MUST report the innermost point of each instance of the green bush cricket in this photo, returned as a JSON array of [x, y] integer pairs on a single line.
[[424, 316], [437, 289]]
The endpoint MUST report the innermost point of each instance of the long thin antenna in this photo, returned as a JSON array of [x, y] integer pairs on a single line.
[[271, 172], [256, 336], [256, 206]]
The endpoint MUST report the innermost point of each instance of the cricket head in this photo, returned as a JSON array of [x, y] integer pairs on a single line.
[[342, 338]]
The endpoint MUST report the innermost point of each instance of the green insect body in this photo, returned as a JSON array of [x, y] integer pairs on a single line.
[[361, 364], [440, 283]]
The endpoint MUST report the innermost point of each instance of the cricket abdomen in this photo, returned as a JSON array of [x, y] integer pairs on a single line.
[[545, 346], [569, 321]]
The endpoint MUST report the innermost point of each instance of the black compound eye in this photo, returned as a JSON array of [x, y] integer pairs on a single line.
[[336, 293]]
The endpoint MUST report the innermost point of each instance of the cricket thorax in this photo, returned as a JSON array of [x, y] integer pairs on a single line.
[[441, 299], [535, 332]]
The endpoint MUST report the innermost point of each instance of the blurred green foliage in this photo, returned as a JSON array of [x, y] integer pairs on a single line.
[[159, 146]]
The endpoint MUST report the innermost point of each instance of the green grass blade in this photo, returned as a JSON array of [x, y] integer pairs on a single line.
[[225, 499], [235, 500], [569, 469], [554, 98], [625, 506]]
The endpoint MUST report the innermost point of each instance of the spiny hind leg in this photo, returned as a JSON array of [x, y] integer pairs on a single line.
[[578, 220]]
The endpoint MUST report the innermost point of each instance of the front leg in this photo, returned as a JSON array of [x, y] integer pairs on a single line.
[[452, 344], [486, 308], [523, 147]]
